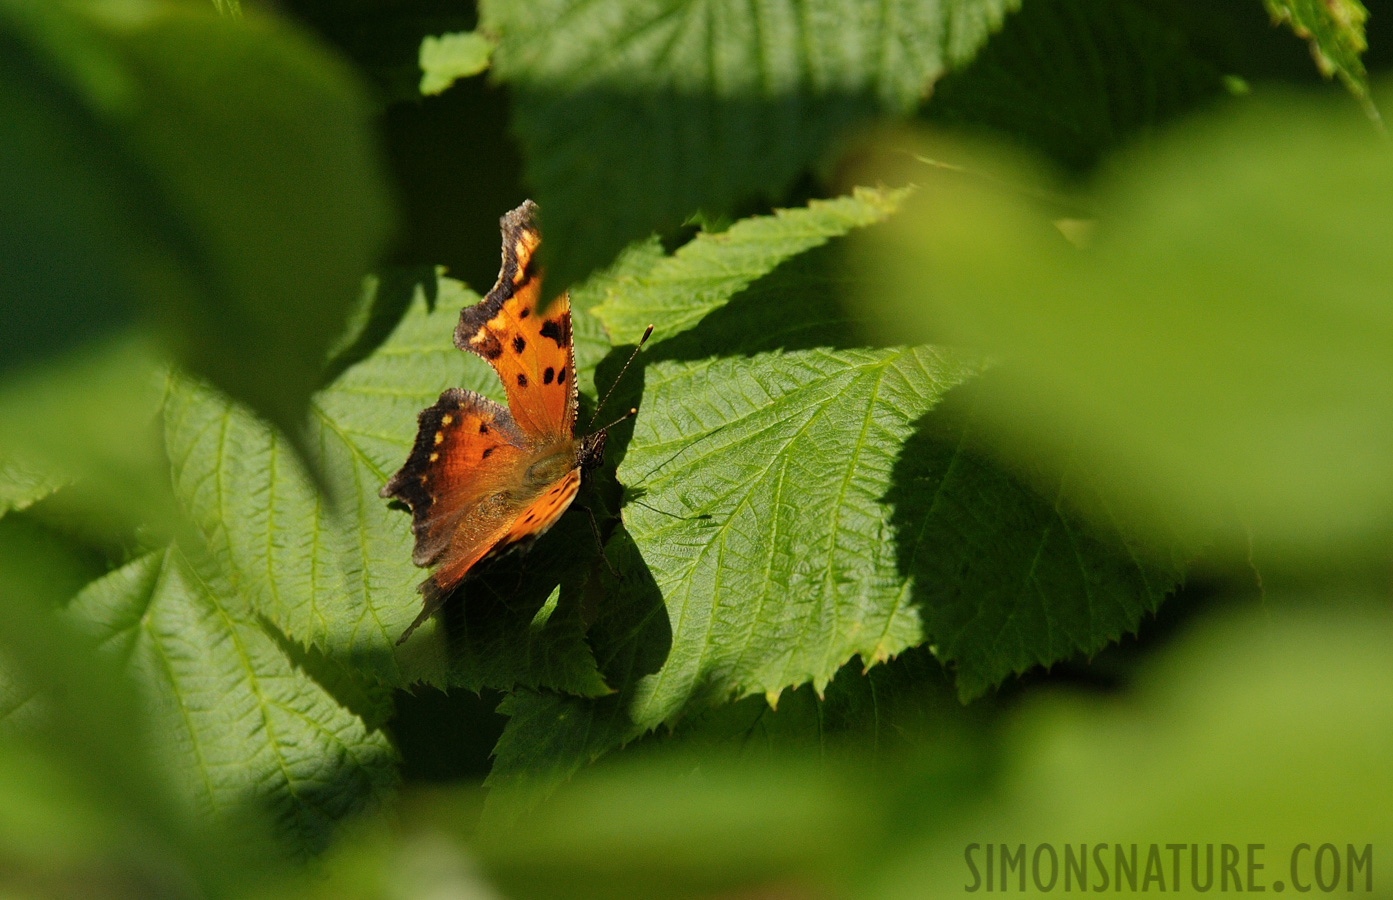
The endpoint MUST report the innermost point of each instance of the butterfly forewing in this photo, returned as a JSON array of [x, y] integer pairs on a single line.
[[528, 347]]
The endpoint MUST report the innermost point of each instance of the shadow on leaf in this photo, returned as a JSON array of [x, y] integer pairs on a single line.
[[1005, 578]]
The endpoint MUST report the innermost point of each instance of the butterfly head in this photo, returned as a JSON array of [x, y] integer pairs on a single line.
[[590, 451]]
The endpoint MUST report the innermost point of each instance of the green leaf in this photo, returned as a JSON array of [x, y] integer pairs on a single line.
[[729, 103], [450, 57], [80, 792], [1182, 364], [888, 714], [1076, 78], [762, 521], [674, 292], [1335, 31], [111, 448], [335, 572], [218, 175], [1213, 742], [1213, 739], [239, 724], [21, 484], [792, 503]]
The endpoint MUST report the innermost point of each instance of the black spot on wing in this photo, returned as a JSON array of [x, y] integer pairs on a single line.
[[556, 330], [549, 375], [561, 377], [474, 318], [519, 344], [522, 380]]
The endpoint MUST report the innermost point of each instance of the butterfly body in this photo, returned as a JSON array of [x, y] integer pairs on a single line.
[[483, 480]]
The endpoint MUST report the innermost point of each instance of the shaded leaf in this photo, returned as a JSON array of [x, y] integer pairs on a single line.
[[1076, 78], [905, 709], [729, 102]]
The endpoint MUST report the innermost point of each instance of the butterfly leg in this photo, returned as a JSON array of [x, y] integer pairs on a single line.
[[595, 530]]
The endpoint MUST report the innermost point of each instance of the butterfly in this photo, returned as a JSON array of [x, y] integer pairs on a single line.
[[482, 480]]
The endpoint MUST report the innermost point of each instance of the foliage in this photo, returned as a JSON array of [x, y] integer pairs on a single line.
[[1211, 376], [921, 419], [450, 57], [1335, 32]]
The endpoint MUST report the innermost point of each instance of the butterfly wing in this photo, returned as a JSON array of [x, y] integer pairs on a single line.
[[471, 497], [530, 351]]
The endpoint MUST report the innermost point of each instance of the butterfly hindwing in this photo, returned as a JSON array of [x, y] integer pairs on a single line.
[[529, 348], [466, 445]]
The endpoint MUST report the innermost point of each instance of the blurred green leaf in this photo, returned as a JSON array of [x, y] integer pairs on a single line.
[[82, 801], [89, 417], [450, 57], [336, 572], [217, 174], [1218, 349], [1335, 31], [1229, 739], [21, 484], [636, 113], [1226, 738], [235, 723]]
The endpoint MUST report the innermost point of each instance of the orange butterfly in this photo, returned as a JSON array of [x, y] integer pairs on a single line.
[[482, 480]]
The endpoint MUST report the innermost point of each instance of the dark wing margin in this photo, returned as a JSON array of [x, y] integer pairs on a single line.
[[453, 437], [518, 271], [530, 349]]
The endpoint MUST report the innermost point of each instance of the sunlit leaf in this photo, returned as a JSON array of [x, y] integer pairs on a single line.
[[646, 287], [450, 57]]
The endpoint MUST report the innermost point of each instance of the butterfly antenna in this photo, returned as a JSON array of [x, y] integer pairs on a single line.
[[633, 412]]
